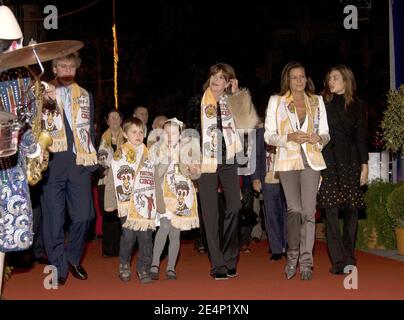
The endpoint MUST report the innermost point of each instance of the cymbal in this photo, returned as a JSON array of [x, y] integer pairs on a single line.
[[45, 50]]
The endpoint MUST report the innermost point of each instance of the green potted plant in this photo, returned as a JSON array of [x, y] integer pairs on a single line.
[[393, 136], [393, 119], [395, 208], [375, 231]]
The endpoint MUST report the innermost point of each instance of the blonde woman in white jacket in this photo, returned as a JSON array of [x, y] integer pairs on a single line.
[[296, 123]]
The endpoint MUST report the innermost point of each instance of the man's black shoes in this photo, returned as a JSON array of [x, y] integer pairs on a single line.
[[276, 256], [78, 272], [62, 281]]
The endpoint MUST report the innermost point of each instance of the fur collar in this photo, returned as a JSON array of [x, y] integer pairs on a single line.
[[243, 111]]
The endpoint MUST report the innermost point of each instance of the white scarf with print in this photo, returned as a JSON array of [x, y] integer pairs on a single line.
[[133, 174], [211, 136]]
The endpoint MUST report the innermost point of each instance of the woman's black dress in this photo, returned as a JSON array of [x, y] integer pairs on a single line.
[[344, 154]]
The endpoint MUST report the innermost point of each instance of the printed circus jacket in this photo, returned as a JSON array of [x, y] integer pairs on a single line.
[[281, 119], [16, 219]]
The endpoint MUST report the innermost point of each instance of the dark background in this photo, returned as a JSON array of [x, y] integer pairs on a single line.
[[166, 47]]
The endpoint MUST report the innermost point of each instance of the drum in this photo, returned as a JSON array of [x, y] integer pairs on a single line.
[[9, 130]]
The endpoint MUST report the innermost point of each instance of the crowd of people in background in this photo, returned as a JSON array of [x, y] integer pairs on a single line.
[[143, 185]]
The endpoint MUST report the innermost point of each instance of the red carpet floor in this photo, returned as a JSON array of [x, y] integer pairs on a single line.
[[258, 279]]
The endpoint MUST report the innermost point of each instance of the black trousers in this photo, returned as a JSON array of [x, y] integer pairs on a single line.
[[200, 237], [128, 240], [225, 258], [37, 250], [275, 217], [66, 183], [245, 230], [341, 249], [111, 228]]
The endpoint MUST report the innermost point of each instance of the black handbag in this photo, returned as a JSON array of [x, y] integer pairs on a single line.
[[248, 217]]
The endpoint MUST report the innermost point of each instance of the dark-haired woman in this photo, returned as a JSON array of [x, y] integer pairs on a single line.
[[296, 123], [346, 157], [223, 109]]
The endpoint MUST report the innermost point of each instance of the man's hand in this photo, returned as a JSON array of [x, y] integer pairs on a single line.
[[50, 91]]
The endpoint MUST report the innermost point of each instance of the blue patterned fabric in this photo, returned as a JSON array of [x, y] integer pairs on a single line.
[[11, 93], [15, 203], [15, 207]]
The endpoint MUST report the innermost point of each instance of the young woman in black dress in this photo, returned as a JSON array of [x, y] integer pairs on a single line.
[[346, 157]]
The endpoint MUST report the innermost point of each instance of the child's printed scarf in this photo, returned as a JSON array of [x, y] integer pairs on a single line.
[[210, 139], [105, 151], [133, 176], [180, 199], [86, 154]]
